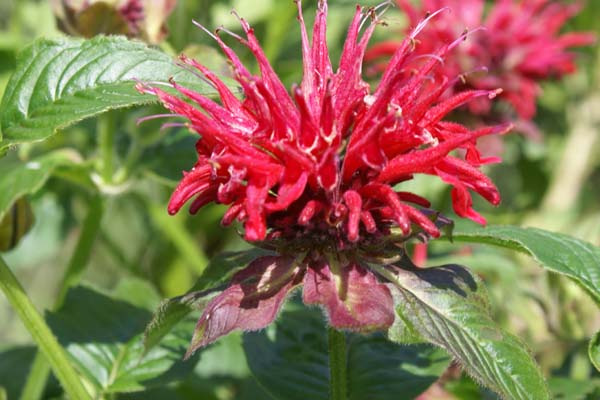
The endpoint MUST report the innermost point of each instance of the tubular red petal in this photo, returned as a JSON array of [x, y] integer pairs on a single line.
[[288, 193], [471, 177], [461, 198], [387, 196], [217, 112], [227, 97], [231, 214], [354, 203], [207, 196], [413, 198], [368, 221], [255, 225], [422, 220], [195, 182], [311, 208], [419, 161], [436, 113], [269, 77]]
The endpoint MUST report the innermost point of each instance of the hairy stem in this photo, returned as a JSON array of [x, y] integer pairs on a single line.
[[42, 335], [40, 369], [337, 365]]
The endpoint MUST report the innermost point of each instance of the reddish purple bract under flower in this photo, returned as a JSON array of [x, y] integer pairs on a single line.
[[519, 45], [313, 173]]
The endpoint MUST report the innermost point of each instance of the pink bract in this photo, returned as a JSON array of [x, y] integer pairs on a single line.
[[312, 173]]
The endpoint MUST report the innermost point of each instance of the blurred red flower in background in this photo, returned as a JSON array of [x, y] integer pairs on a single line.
[[519, 44]]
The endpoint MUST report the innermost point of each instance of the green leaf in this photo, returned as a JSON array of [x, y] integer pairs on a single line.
[[104, 338], [448, 307], [572, 389], [594, 350], [290, 360], [218, 272], [380, 369], [62, 81], [22, 179], [225, 357], [557, 252], [195, 388], [137, 291], [465, 388]]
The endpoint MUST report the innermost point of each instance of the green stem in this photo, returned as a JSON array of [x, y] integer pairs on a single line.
[[36, 378], [83, 249], [133, 156], [41, 334], [40, 369], [106, 143], [337, 365]]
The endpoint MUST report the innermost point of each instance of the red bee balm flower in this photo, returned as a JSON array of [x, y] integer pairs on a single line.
[[311, 174], [519, 44]]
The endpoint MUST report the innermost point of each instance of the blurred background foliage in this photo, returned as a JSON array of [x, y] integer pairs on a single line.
[[142, 255]]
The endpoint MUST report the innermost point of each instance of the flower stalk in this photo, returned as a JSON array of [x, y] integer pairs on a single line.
[[106, 144], [337, 365]]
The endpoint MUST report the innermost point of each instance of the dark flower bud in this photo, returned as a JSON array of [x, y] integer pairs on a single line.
[[15, 224]]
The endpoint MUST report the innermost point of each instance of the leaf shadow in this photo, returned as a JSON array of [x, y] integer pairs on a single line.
[[453, 277], [89, 316]]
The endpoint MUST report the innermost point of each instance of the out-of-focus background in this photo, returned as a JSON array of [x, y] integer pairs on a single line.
[[143, 255]]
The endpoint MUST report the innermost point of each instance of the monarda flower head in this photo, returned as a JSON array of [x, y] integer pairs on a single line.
[[311, 174], [519, 44]]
